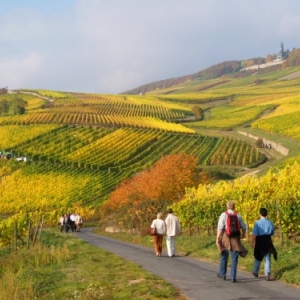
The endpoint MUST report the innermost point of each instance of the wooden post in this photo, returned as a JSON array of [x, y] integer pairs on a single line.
[[247, 230], [40, 231], [213, 223], [15, 237], [29, 233], [35, 232], [207, 227], [279, 225]]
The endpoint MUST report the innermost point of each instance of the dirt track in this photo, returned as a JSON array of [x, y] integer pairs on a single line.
[[291, 76]]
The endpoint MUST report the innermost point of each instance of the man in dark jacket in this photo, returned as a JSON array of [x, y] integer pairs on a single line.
[[262, 243]]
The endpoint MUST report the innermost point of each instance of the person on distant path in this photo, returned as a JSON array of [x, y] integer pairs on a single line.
[[161, 228], [69, 222], [78, 222], [72, 222], [62, 223], [262, 243], [173, 229], [226, 243], [66, 223]]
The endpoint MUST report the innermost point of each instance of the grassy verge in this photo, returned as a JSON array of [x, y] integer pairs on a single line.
[[64, 267], [286, 268]]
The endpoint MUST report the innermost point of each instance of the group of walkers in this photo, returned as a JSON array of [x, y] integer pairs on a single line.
[[261, 243], [230, 231], [70, 222]]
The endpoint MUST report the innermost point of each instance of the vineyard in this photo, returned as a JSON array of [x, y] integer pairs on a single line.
[[238, 117], [278, 191], [82, 146], [95, 160]]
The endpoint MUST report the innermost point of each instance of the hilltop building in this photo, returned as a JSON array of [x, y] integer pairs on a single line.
[[281, 55]]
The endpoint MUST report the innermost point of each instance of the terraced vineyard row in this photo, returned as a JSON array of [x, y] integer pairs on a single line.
[[13, 134], [120, 108], [235, 152], [228, 117], [92, 119], [287, 124], [48, 93], [55, 188]]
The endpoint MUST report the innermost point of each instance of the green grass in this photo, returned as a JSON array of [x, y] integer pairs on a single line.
[[64, 267], [286, 268]]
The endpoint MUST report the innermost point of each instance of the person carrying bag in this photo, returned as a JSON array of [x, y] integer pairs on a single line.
[[160, 227]]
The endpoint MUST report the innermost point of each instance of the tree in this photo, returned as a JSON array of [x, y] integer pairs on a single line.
[[259, 143], [250, 63], [270, 58], [151, 191], [244, 64], [198, 112], [293, 59], [17, 106], [4, 106]]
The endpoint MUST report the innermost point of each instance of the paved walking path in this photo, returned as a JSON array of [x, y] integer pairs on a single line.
[[194, 278]]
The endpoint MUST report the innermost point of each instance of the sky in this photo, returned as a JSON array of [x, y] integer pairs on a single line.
[[110, 46]]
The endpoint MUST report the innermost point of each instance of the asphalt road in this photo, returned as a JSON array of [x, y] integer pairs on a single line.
[[194, 278]]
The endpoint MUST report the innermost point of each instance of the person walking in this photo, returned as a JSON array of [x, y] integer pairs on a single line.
[[160, 226], [72, 222], [62, 223], [173, 229], [229, 236], [78, 222], [66, 223], [262, 243]]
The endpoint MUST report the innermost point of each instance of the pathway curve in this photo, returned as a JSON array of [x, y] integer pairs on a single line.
[[195, 279]]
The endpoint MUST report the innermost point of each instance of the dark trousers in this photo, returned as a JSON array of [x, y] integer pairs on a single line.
[[67, 227], [72, 225]]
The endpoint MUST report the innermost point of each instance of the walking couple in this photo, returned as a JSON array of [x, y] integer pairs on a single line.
[[170, 227]]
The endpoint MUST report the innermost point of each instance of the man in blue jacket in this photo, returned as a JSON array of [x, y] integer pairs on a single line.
[[262, 243]]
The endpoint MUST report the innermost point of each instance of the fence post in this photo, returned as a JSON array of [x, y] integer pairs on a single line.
[[15, 237], [28, 237], [35, 232], [279, 225], [248, 233], [40, 231]]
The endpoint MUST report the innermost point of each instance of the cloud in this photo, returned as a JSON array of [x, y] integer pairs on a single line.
[[111, 46], [21, 71]]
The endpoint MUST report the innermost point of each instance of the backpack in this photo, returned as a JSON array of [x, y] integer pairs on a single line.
[[233, 226]]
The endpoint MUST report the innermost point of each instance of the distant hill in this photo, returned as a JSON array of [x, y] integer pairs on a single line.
[[209, 73], [227, 68]]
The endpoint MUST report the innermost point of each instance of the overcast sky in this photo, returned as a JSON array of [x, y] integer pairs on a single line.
[[109, 46]]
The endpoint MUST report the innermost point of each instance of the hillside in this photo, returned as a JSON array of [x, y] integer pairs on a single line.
[[100, 140], [231, 69], [80, 147], [209, 73]]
